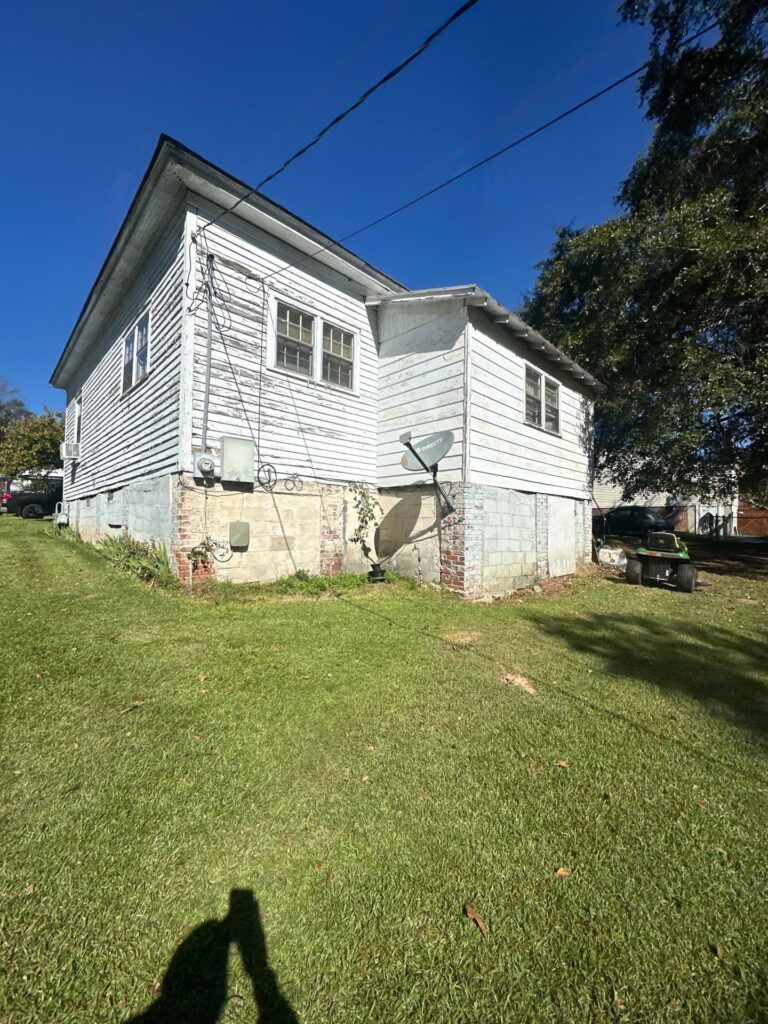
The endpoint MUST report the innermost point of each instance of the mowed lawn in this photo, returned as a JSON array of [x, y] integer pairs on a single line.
[[357, 769]]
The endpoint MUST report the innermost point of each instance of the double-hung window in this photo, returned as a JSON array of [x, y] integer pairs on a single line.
[[542, 401], [136, 353], [295, 340], [338, 355], [313, 347]]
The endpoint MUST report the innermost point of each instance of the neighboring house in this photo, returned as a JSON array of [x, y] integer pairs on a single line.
[[692, 513], [295, 366]]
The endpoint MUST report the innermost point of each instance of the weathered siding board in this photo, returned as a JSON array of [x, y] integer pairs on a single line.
[[422, 380], [507, 452], [124, 437], [306, 427]]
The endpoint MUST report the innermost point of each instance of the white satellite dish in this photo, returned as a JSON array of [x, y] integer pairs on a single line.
[[426, 452]]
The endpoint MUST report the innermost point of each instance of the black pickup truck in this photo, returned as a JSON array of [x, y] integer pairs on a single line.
[[33, 504]]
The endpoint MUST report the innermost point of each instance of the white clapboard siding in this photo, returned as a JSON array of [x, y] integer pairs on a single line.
[[504, 451], [421, 383], [124, 437], [301, 426]]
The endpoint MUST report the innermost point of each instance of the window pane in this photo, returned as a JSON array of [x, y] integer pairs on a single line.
[[295, 338], [142, 347], [338, 342], [551, 406], [532, 397], [128, 361], [337, 371], [293, 356]]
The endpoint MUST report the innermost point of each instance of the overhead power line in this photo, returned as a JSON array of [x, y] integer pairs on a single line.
[[458, 13], [486, 160]]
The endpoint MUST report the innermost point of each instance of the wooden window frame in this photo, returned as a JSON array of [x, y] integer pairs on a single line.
[[132, 334], [544, 381], [318, 353]]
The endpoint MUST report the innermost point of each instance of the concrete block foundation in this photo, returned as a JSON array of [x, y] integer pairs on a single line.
[[495, 542]]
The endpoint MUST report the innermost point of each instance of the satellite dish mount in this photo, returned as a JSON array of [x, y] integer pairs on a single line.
[[426, 454]]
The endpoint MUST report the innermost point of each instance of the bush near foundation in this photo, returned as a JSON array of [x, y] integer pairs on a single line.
[[148, 562]]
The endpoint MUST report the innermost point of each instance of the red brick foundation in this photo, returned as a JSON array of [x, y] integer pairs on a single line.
[[331, 531]]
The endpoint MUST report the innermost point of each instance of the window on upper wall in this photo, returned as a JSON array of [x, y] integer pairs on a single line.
[[295, 340], [78, 418], [338, 355], [136, 353], [532, 397], [542, 401], [306, 344]]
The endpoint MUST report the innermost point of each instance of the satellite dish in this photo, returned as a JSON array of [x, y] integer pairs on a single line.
[[430, 449]]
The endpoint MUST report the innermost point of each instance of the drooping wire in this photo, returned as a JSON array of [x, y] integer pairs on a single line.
[[393, 73], [336, 243]]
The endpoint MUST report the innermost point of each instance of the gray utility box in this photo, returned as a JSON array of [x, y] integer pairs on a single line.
[[239, 535], [237, 459]]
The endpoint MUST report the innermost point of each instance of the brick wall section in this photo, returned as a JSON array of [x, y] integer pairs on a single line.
[[542, 527], [452, 545], [332, 540]]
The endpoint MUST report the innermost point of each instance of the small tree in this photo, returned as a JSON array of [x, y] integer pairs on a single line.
[[368, 510], [31, 444]]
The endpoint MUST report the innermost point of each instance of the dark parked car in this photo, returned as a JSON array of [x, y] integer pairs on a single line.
[[34, 504], [629, 521]]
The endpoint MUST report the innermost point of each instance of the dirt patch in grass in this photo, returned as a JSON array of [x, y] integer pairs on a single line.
[[461, 638], [518, 679]]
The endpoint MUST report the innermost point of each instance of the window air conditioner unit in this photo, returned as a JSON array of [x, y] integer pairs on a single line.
[[70, 450]]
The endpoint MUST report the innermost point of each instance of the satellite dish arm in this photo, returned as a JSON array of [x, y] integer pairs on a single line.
[[449, 506]]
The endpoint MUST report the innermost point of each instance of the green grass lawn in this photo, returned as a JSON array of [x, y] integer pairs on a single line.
[[358, 770]]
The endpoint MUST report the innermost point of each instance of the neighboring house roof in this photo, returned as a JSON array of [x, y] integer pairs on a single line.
[[477, 297], [174, 169]]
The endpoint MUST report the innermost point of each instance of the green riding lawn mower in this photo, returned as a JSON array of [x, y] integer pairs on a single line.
[[663, 558]]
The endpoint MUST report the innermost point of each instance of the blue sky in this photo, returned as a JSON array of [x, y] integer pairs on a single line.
[[86, 88]]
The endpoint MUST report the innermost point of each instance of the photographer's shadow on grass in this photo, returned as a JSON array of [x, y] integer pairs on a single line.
[[194, 988]]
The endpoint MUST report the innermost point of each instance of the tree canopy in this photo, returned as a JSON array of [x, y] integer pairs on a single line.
[[11, 406], [667, 304], [31, 444]]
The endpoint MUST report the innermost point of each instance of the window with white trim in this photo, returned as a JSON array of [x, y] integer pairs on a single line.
[[78, 418], [295, 340], [316, 348], [338, 355], [542, 401], [136, 353]]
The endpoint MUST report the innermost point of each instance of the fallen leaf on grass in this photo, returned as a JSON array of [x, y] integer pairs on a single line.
[[563, 873], [29, 889], [720, 850], [520, 680], [473, 915], [365, 779], [702, 805], [122, 1003], [560, 763], [717, 949], [237, 1000], [202, 677]]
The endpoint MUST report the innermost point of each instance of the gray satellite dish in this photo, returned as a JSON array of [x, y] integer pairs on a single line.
[[430, 450]]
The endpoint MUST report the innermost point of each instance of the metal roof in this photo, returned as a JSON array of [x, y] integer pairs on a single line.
[[479, 298]]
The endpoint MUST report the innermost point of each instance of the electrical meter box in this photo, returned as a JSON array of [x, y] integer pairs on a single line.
[[239, 536], [237, 458]]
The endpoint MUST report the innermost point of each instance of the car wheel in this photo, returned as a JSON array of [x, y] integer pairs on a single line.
[[686, 577], [32, 512], [634, 571]]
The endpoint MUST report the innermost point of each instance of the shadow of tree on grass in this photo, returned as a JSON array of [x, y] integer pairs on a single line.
[[724, 670], [194, 988]]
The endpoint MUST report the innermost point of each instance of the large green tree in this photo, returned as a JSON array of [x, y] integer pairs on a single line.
[[31, 444], [668, 303]]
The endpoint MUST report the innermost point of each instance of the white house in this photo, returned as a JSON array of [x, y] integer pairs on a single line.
[[692, 513], [231, 373]]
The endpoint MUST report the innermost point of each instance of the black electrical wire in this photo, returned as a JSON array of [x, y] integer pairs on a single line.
[[486, 160], [458, 13]]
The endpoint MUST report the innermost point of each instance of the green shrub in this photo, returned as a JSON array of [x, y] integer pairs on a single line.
[[149, 562]]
